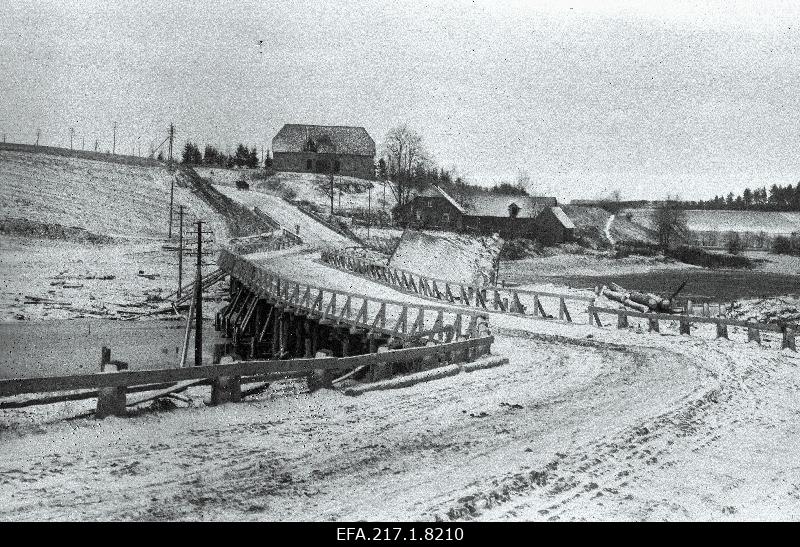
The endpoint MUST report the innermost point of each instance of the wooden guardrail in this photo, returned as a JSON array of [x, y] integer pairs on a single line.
[[685, 321], [497, 299], [397, 319], [226, 379]]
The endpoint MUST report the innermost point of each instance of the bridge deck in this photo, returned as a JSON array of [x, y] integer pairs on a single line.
[[333, 296]]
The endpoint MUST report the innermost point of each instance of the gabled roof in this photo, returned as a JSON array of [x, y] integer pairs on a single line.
[[497, 205], [562, 217], [434, 191], [325, 138]]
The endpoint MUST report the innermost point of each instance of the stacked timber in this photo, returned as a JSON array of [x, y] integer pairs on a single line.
[[642, 302]]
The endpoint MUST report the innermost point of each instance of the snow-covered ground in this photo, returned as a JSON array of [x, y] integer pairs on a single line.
[[769, 222], [287, 215], [306, 186], [662, 427], [583, 423], [459, 258]]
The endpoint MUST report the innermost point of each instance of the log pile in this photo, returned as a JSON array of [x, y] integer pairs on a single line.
[[642, 302]]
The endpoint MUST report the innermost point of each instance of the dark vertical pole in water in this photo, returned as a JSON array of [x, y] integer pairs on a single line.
[[198, 295]]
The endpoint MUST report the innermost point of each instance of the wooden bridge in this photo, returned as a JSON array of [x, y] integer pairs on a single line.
[[272, 315], [495, 299]]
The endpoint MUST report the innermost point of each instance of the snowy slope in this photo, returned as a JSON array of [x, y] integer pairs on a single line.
[[122, 201], [446, 255], [286, 214]]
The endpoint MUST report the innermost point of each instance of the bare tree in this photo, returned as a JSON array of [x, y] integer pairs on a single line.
[[669, 219], [407, 158]]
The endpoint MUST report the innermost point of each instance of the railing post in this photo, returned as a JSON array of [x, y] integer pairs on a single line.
[[685, 326], [788, 339], [722, 330], [622, 319], [110, 400]]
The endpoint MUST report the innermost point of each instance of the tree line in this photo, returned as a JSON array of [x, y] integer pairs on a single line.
[[211, 156], [409, 166], [778, 198]]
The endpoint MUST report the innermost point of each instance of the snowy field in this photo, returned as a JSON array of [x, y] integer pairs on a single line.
[[86, 194], [768, 222]]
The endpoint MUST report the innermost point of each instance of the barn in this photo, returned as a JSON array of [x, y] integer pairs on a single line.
[[348, 151], [532, 217]]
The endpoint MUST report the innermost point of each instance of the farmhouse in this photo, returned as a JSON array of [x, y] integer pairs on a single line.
[[510, 216], [348, 151]]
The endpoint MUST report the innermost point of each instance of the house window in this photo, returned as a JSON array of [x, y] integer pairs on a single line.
[[513, 210], [419, 215], [337, 166], [446, 218], [309, 165]]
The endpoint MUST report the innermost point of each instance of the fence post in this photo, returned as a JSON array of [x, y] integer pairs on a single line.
[[685, 327], [722, 330], [622, 319], [225, 389], [788, 340], [110, 400]]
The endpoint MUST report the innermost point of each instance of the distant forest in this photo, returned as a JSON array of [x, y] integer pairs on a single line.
[[778, 198], [212, 156]]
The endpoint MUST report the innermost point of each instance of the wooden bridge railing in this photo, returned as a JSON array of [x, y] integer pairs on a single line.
[[453, 352], [111, 388], [685, 324], [496, 299], [401, 320]]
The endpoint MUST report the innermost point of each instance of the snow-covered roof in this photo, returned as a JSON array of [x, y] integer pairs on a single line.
[[325, 138], [498, 205], [562, 217], [434, 191]]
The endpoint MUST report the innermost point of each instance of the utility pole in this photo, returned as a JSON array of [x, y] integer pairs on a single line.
[[198, 295], [96, 144], [180, 249], [172, 181], [171, 199], [38, 134], [71, 134], [171, 138], [114, 145], [369, 210], [332, 187], [83, 143]]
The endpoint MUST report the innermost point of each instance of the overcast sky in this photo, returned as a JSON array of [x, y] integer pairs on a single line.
[[651, 98]]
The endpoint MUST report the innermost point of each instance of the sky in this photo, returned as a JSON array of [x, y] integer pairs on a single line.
[[650, 98]]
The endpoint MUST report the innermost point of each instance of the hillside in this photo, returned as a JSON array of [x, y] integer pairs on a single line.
[[458, 258], [769, 222], [309, 187], [75, 233], [592, 221], [103, 198]]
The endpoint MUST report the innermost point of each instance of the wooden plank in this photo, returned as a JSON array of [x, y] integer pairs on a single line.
[[692, 318], [138, 377], [180, 386]]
